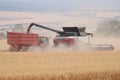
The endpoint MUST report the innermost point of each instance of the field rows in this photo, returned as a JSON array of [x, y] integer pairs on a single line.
[[58, 62]]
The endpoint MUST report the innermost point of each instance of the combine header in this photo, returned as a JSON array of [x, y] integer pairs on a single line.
[[70, 36]]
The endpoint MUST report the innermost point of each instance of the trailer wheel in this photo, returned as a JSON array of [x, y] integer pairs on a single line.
[[14, 48], [56, 44]]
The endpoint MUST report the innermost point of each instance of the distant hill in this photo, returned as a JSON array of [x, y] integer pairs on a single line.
[[109, 28]]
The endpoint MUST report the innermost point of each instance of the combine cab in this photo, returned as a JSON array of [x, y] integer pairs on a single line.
[[72, 36]]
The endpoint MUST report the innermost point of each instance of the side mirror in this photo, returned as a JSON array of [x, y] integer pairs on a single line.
[[90, 34]]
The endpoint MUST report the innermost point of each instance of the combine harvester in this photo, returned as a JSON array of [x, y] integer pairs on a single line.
[[70, 36]]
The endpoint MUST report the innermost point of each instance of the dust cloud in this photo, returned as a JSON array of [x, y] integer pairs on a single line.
[[96, 44]]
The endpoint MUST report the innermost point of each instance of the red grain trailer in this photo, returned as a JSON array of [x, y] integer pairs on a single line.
[[18, 41]]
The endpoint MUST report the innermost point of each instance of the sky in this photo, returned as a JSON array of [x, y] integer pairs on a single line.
[[57, 5]]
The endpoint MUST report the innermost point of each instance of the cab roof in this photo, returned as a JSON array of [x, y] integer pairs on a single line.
[[74, 29]]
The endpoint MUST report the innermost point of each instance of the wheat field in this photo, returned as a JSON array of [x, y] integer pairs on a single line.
[[60, 65]]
